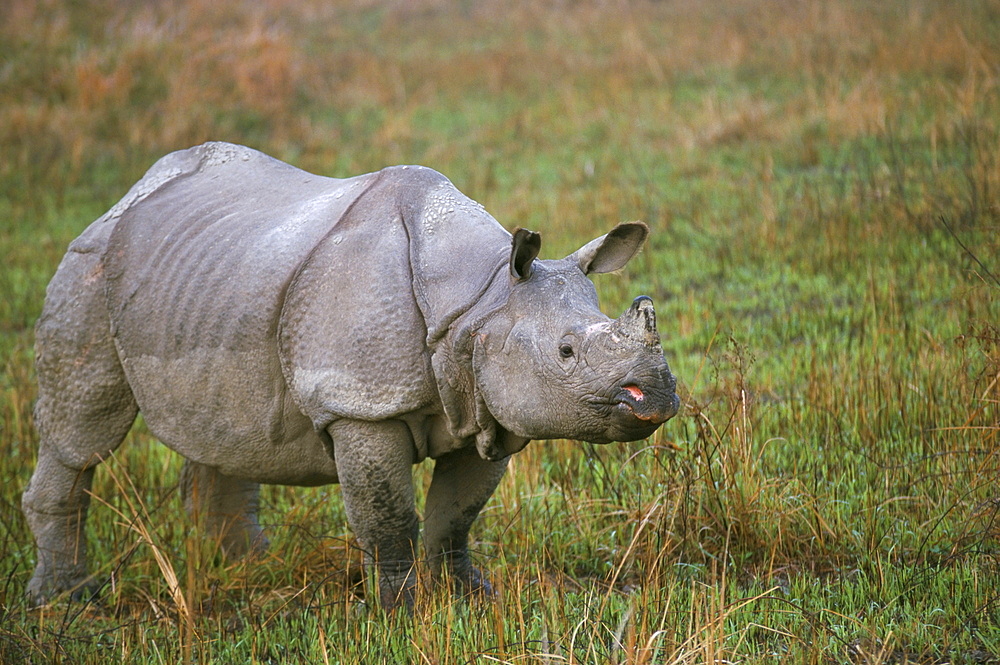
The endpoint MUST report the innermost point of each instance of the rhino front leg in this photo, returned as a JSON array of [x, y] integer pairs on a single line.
[[227, 506], [462, 484], [374, 464]]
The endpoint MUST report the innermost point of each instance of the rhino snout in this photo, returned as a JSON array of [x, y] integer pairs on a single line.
[[652, 406]]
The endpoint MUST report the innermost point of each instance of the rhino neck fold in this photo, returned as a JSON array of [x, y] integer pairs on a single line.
[[456, 247], [458, 256], [456, 355]]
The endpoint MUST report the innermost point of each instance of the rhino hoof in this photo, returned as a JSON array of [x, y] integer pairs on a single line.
[[41, 594], [475, 584], [249, 544]]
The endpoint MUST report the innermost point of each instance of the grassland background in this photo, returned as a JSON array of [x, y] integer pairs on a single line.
[[822, 181]]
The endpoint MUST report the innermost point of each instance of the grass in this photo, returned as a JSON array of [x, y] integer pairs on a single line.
[[822, 182]]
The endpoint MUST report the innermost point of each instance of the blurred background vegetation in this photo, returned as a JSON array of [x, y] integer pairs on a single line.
[[822, 180]]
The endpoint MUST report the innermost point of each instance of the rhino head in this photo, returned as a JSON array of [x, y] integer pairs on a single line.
[[549, 364]]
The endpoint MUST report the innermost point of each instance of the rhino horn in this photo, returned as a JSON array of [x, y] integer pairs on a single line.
[[638, 323]]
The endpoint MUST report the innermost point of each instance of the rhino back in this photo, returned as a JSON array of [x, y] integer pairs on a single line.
[[196, 274]]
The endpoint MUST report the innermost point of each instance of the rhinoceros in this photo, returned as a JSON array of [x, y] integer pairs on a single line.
[[275, 326]]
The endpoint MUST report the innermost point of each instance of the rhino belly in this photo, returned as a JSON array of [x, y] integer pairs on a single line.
[[229, 410]]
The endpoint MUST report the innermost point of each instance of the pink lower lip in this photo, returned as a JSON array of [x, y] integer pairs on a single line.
[[651, 417]]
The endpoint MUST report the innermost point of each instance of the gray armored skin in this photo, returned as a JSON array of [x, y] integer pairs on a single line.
[[275, 326]]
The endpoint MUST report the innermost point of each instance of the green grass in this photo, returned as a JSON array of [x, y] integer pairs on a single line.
[[823, 185]]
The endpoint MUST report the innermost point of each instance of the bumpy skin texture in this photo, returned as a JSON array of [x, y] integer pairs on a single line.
[[274, 326]]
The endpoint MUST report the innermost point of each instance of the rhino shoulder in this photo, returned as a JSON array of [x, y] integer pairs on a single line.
[[351, 336]]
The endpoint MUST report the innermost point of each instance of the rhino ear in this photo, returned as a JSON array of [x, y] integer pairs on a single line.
[[524, 248], [612, 251]]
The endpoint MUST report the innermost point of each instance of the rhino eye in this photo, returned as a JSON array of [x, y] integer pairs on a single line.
[[565, 351]]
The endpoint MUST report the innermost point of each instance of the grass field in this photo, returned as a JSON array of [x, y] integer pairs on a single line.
[[822, 180]]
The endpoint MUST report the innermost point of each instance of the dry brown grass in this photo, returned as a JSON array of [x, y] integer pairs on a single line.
[[112, 79]]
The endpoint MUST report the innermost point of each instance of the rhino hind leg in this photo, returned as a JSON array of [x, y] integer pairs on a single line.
[[55, 504], [84, 410], [226, 506], [462, 484]]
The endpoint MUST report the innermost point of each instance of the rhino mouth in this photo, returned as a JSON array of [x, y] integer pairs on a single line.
[[653, 408]]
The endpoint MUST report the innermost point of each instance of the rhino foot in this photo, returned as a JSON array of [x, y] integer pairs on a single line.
[[464, 579], [44, 589], [228, 508], [396, 591], [474, 583]]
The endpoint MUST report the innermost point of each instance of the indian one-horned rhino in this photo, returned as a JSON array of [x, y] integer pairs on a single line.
[[275, 326]]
